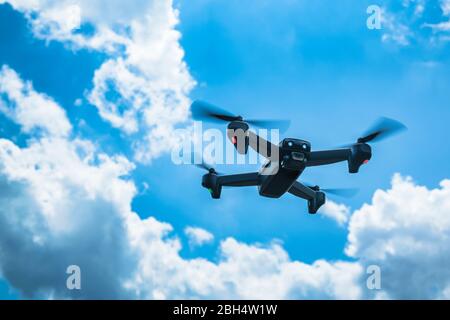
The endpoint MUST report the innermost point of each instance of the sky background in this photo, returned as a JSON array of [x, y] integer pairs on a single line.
[[314, 62]]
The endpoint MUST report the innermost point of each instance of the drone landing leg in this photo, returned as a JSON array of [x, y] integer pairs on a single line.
[[315, 198]]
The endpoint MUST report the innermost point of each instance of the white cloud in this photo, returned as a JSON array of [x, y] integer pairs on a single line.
[[336, 211], [243, 272], [394, 30], [406, 231], [198, 236], [114, 76], [32, 110], [61, 204], [143, 85], [445, 6], [442, 26]]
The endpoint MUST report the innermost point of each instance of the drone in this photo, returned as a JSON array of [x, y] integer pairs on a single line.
[[287, 160]]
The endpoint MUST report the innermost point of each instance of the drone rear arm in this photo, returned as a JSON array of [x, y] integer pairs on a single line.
[[315, 198], [301, 191], [239, 180], [319, 158]]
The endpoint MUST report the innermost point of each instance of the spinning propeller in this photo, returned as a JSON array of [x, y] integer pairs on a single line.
[[341, 192], [202, 110], [382, 129], [205, 165]]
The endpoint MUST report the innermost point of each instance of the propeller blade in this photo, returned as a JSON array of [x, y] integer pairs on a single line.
[[203, 165], [281, 125], [382, 129], [342, 192], [202, 110]]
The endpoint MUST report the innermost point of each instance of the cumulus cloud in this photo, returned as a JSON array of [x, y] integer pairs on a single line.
[[198, 236], [58, 209], [53, 193], [143, 85], [406, 231], [336, 211], [30, 109]]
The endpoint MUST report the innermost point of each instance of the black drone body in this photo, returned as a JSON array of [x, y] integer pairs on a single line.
[[287, 160]]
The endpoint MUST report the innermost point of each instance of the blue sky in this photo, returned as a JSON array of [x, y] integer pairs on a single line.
[[313, 62]]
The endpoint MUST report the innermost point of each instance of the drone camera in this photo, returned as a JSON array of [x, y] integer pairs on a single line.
[[294, 154], [298, 156], [296, 145]]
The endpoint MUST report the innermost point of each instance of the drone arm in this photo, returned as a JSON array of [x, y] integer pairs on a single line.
[[301, 191], [315, 198], [263, 147], [319, 158], [239, 180]]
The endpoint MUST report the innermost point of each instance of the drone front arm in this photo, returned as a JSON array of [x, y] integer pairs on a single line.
[[358, 155], [319, 158], [239, 180]]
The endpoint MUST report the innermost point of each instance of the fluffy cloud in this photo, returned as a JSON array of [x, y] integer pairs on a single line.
[[143, 85], [336, 211], [406, 231], [57, 209], [198, 236], [31, 110], [243, 272]]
